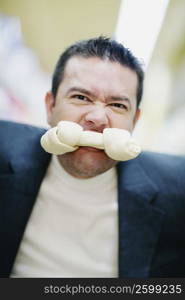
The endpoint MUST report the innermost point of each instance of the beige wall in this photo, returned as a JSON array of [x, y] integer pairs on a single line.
[[51, 25]]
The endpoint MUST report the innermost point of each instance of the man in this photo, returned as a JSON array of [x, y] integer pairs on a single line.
[[82, 214]]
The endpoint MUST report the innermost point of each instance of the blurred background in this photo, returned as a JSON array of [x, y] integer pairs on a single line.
[[34, 33]]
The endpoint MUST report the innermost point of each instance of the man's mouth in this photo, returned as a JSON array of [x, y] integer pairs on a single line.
[[92, 149]]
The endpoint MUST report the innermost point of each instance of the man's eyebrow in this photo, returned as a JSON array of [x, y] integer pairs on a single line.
[[121, 98], [79, 89]]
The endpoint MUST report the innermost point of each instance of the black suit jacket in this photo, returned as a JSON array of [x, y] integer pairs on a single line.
[[151, 201]]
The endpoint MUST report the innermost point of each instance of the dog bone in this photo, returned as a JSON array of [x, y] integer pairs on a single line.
[[67, 136]]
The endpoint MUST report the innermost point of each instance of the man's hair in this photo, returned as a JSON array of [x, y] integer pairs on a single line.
[[103, 48]]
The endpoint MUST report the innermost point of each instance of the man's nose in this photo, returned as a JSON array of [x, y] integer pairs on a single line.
[[97, 116]]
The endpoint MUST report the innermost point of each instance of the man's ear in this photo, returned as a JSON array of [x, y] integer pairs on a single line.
[[49, 103], [137, 116]]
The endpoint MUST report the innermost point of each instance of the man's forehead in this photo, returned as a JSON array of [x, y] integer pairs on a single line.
[[96, 73], [79, 64], [80, 61]]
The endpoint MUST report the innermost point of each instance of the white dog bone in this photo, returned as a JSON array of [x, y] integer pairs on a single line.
[[119, 145], [133, 148], [68, 136], [69, 132], [92, 139], [51, 143]]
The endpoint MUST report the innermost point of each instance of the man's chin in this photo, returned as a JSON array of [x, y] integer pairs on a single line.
[[86, 162], [91, 156]]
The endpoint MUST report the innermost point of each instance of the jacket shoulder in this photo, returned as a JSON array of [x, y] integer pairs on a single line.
[[10, 128], [165, 170], [161, 161], [12, 134], [20, 141]]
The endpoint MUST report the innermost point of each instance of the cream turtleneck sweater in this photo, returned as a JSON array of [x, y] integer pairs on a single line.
[[73, 228]]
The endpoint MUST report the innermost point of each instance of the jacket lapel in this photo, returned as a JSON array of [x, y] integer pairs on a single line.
[[139, 220], [18, 193]]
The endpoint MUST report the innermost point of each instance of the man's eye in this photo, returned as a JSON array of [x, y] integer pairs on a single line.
[[81, 97], [119, 105]]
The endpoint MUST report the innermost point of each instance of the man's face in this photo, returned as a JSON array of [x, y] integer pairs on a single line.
[[96, 94]]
